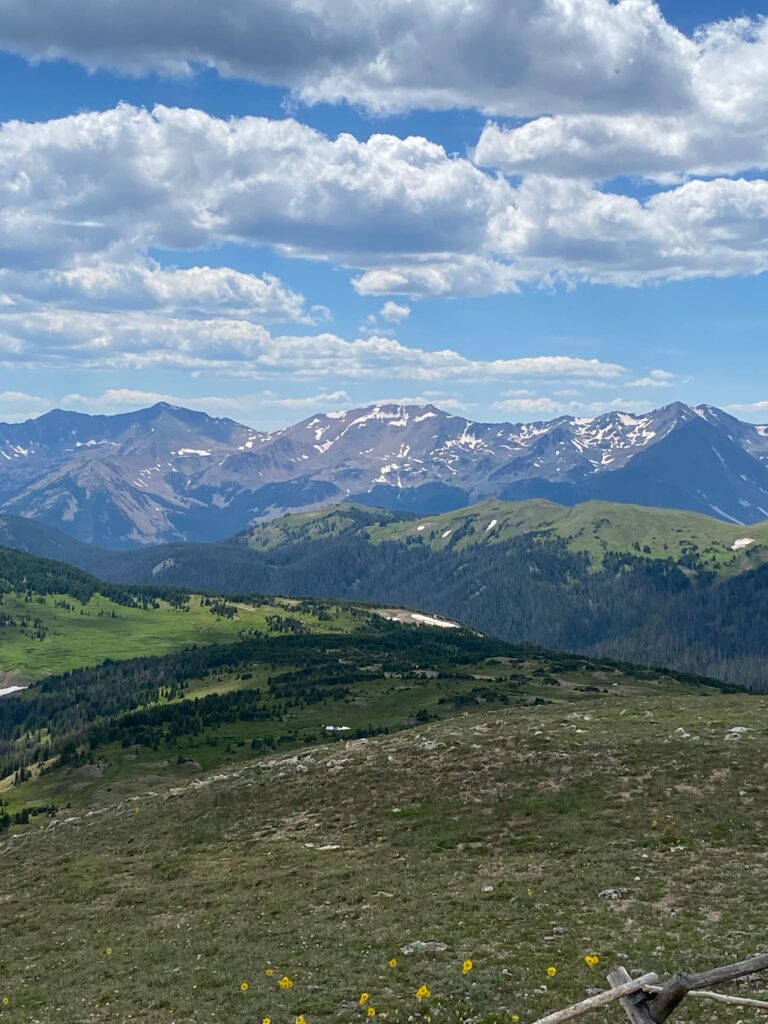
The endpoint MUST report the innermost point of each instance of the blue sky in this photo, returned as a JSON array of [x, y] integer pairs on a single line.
[[578, 222]]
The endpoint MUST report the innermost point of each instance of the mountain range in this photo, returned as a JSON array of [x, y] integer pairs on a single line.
[[166, 474]]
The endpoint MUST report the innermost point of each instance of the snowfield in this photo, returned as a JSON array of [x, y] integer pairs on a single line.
[[11, 689], [429, 620]]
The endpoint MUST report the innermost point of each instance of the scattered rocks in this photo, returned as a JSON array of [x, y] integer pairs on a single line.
[[423, 947], [611, 894], [737, 732]]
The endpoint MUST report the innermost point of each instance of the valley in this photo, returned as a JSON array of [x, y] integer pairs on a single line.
[[652, 586], [202, 794]]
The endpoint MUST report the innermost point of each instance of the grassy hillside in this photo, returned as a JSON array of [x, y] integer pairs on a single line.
[[124, 727], [643, 585], [521, 838], [596, 528], [54, 617]]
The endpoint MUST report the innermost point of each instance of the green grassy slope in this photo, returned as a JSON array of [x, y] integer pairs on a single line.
[[520, 838], [595, 527], [54, 617]]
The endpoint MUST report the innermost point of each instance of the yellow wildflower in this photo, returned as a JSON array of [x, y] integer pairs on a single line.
[[285, 982], [301, 1019], [393, 963], [267, 1020], [108, 951], [551, 972], [364, 997], [6, 1001], [467, 966], [423, 993], [269, 972], [371, 1011], [591, 960], [515, 1018], [244, 986]]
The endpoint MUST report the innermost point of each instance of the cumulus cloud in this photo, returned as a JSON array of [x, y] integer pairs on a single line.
[[566, 230], [655, 379], [136, 285], [447, 273], [752, 409], [98, 184], [390, 56], [241, 348], [83, 200], [137, 399], [306, 402], [720, 129], [610, 89], [532, 406], [394, 312], [547, 407]]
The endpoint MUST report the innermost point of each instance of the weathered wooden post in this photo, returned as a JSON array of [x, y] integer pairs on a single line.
[[635, 1005], [678, 987]]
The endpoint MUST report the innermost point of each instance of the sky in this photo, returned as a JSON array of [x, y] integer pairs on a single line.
[[270, 208]]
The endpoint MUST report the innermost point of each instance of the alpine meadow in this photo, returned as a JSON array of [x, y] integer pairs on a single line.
[[383, 512]]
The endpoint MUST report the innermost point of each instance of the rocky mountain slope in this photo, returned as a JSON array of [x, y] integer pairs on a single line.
[[165, 473]]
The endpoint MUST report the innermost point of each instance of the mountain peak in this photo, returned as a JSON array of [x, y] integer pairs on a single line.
[[166, 472]]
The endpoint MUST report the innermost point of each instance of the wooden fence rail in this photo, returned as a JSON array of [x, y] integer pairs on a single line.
[[646, 1002]]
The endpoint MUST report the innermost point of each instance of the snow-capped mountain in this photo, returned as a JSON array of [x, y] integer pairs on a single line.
[[167, 473]]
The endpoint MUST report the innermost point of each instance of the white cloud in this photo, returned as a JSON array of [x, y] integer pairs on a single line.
[[85, 198], [443, 274], [444, 402], [18, 405], [532, 406], [394, 312], [655, 379], [513, 58], [137, 399], [137, 285], [545, 406], [241, 348], [320, 401], [749, 408], [565, 230], [101, 183], [720, 129]]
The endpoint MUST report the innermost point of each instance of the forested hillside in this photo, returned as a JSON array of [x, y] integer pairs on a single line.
[[656, 586], [127, 723]]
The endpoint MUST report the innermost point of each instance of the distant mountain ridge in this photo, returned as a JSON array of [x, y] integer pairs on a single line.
[[166, 474]]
